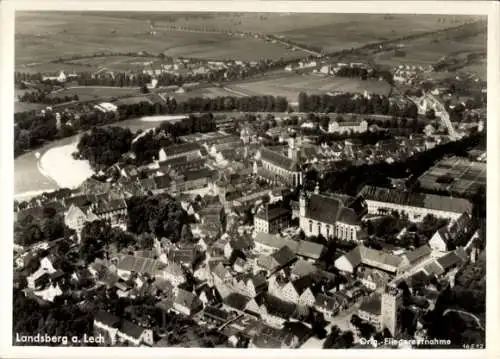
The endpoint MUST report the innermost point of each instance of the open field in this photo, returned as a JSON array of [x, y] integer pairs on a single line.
[[455, 174], [295, 24], [206, 92], [54, 68], [430, 50], [52, 35], [353, 30], [87, 93], [27, 106], [290, 86]]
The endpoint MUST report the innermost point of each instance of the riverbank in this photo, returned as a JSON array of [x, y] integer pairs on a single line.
[[59, 165]]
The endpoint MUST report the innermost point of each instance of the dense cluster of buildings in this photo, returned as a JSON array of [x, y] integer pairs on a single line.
[[261, 256]]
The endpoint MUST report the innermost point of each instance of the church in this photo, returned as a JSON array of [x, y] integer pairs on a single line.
[[328, 216]]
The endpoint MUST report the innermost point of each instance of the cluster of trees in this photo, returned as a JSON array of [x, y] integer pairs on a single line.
[[459, 314], [147, 146], [337, 339], [104, 146], [45, 98], [29, 230], [32, 131], [56, 319], [348, 103], [98, 239], [158, 215], [385, 230], [44, 199], [261, 103]]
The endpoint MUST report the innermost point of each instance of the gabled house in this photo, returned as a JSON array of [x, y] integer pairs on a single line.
[[302, 268], [445, 237], [109, 209], [75, 218], [309, 250], [186, 303], [268, 243], [299, 291], [118, 331], [371, 258], [277, 260], [187, 150], [411, 258], [327, 305], [275, 312]]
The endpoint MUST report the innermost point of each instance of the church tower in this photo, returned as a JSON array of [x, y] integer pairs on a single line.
[[392, 302], [293, 147], [302, 204]]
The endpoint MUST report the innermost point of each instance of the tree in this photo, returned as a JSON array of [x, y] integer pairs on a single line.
[[145, 241], [332, 338], [186, 234], [95, 238]]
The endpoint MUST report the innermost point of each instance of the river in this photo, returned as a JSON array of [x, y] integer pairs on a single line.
[[28, 179]]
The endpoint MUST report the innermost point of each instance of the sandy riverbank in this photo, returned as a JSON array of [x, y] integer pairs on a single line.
[[59, 165], [26, 196], [163, 118]]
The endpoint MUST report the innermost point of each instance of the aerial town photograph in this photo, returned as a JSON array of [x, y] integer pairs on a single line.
[[249, 180]]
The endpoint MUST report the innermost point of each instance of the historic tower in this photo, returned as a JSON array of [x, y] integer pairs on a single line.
[[392, 302], [302, 204]]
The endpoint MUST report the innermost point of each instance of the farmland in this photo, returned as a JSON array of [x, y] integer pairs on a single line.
[[290, 86], [431, 49], [89, 93], [55, 35], [351, 30], [319, 27]]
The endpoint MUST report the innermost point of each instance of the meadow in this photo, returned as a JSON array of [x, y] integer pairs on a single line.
[[290, 86]]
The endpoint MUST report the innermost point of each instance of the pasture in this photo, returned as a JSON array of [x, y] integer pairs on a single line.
[[89, 93], [42, 38], [290, 86]]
